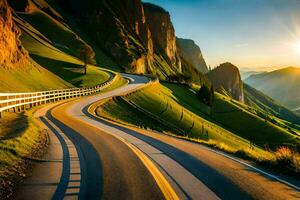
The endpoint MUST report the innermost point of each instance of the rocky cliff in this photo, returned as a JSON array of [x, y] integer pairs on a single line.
[[226, 79], [21, 5], [163, 34], [12, 54], [190, 51], [118, 27], [137, 37]]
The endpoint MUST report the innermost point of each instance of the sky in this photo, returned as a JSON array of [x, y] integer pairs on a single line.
[[248, 33]]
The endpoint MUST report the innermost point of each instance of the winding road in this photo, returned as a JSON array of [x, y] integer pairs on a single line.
[[91, 158]]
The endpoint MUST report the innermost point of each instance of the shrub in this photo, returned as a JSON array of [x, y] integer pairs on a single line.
[[286, 158], [206, 94]]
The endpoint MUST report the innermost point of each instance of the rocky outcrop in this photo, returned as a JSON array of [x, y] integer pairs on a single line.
[[119, 27], [138, 38], [12, 54], [226, 79], [190, 51], [163, 33], [22, 5]]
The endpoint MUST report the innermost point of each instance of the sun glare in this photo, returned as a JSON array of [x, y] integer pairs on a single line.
[[298, 46]]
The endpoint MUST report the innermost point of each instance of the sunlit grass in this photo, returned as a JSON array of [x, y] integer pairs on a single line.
[[159, 101], [30, 78], [43, 50], [118, 82], [180, 110], [60, 35], [15, 149]]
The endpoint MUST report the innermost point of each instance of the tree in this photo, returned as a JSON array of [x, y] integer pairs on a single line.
[[206, 94], [87, 55]]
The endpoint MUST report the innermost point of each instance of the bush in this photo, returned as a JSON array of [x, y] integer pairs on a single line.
[[206, 94], [286, 158]]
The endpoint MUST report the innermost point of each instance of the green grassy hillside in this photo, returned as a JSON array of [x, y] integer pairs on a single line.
[[57, 61], [162, 103], [267, 105], [230, 122], [234, 116], [30, 78], [60, 35]]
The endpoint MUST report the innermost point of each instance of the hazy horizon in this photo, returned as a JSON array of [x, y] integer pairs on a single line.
[[253, 34]]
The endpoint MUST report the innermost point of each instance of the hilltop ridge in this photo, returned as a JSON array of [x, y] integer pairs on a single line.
[[277, 84]]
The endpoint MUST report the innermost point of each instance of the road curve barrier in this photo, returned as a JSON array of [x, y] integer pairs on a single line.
[[16, 102]]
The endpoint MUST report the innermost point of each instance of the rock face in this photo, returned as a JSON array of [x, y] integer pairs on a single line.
[[163, 33], [191, 52], [226, 78], [118, 27], [12, 53], [21, 5], [138, 38]]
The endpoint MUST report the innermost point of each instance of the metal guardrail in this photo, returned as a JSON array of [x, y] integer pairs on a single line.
[[21, 101]]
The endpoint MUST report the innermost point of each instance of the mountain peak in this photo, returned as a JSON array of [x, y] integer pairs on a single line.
[[277, 84], [227, 77], [191, 52], [289, 69], [227, 65], [155, 8]]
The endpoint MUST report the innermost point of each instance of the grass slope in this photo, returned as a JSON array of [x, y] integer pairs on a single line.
[[236, 117], [102, 59], [30, 78], [161, 101], [59, 34], [21, 139], [229, 122], [66, 66]]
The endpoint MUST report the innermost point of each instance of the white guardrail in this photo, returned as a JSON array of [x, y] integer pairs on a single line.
[[16, 102]]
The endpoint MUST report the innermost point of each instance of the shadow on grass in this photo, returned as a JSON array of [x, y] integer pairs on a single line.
[[121, 110], [64, 70], [13, 125]]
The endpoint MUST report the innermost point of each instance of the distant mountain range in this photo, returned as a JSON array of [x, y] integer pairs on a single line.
[[283, 85], [247, 74], [260, 101]]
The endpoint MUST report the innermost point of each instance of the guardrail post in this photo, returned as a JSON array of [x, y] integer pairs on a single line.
[[0, 114]]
